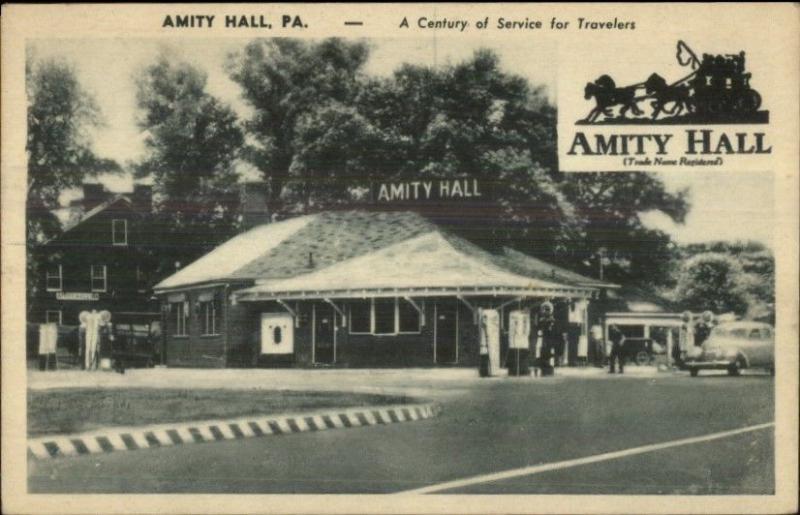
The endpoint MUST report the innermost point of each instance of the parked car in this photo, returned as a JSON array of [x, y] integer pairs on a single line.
[[733, 346]]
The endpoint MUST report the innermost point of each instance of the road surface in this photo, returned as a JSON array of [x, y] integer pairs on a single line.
[[492, 426]]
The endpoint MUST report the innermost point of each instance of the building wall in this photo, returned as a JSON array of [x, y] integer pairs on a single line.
[[239, 341], [352, 350], [194, 349]]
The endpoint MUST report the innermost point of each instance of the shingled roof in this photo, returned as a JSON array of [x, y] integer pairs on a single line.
[[299, 245], [332, 250]]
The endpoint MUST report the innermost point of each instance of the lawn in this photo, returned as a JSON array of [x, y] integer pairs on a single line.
[[82, 409]]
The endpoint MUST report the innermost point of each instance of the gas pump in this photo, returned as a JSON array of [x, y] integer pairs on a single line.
[[519, 333], [489, 323]]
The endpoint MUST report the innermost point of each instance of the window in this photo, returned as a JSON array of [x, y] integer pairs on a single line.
[[384, 316], [360, 317], [52, 316], [53, 278], [208, 317], [119, 231], [180, 311], [99, 275], [408, 320], [277, 336]]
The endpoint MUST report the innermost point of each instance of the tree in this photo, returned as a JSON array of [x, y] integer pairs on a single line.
[[60, 117], [191, 144], [609, 206], [757, 280], [285, 81], [712, 281]]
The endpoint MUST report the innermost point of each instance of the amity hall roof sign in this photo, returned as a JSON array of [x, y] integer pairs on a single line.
[[433, 190]]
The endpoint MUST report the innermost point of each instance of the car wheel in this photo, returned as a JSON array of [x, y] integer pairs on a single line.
[[735, 368], [642, 358], [694, 371]]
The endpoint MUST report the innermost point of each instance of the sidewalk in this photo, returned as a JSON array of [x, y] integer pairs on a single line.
[[421, 382]]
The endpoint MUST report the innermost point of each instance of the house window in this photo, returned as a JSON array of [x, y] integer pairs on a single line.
[[52, 317], [53, 278], [408, 319], [180, 311], [119, 231], [208, 317], [384, 316], [99, 278], [360, 317]]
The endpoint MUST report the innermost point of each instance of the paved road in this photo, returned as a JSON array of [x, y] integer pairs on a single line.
[[490, 426]]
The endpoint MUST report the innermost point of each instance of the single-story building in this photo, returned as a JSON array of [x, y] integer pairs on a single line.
[[355, 289]]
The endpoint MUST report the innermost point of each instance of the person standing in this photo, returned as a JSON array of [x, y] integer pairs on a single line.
[[617, 354]]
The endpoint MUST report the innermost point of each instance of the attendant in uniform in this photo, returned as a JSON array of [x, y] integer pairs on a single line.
[[546, 326], [703, 328], [617, 354]]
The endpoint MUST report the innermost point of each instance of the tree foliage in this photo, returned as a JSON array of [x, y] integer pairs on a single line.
[[753, 276], [712, 281], [61, 116], [285, 81], [192, 140]]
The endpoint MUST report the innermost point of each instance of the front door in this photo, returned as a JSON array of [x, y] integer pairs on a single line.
[[445, 346], [277, 333], [324, 334]]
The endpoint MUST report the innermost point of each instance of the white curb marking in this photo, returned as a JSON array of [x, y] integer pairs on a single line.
[[546, 467], [159, 436]]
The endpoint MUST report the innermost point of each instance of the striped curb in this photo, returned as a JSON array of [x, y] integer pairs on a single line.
[[134, 438]]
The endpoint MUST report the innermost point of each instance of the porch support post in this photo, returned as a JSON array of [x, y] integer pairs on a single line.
[[290, 310], [471, 307], [418, 308], [338, 310]]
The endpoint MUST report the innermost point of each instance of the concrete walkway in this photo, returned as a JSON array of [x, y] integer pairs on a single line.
[[428, 382]]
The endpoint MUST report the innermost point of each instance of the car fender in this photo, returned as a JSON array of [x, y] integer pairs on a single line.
[[743, 355]]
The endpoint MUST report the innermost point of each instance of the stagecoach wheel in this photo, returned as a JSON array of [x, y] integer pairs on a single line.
[[642, 358], [749, 101]]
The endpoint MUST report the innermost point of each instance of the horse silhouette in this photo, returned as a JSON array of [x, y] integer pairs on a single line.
[[663, 93], [607, 95]]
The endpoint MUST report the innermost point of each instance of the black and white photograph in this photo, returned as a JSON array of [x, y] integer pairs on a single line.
[[298, 261]]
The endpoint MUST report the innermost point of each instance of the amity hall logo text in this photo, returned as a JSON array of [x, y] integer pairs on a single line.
[[716, 93]]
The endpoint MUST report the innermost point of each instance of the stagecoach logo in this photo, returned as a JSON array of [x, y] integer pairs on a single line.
[[716, 91], [711, 116]]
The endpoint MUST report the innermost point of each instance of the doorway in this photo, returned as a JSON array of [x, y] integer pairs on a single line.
[[324, 321], [445, 333]]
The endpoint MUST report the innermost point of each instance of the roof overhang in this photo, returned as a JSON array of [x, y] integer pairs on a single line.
[[259, 293], [627, 317]]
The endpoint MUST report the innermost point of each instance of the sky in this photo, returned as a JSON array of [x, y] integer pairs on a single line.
[[725, 205]]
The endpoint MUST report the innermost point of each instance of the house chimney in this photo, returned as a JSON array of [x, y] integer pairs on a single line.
[[253, 205], [142, 197], [93, 195]]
